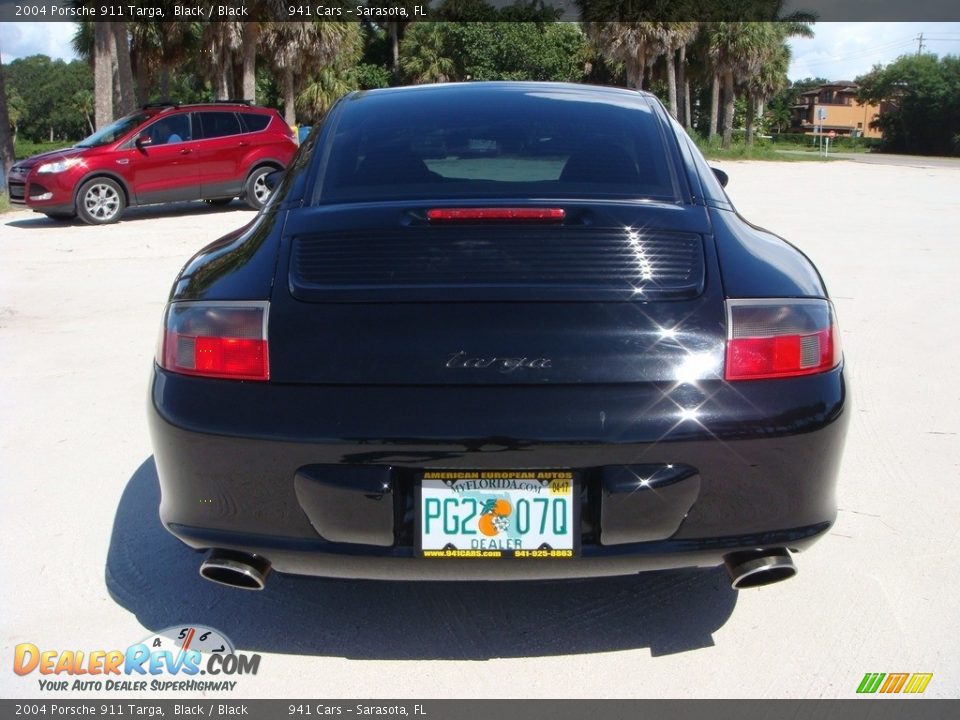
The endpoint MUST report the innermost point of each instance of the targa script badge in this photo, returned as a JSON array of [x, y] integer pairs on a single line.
[[504, 365]]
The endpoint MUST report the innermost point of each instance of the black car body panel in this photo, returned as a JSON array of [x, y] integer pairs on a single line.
[[399, 346]]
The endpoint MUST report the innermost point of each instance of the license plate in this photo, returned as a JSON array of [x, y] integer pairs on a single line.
[[498, 514]]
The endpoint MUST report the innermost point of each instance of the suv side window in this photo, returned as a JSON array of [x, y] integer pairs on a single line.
[[214, 124], [170, 129], [254, 122]]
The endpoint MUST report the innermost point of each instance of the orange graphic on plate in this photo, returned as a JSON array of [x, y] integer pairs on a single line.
[[494, 517]]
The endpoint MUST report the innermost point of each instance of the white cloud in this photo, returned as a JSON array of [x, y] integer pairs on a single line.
[[22, 39], [842, 51]]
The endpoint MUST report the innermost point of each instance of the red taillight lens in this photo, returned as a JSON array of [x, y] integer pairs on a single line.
[[216, 339], [780, 338], [496, 214]]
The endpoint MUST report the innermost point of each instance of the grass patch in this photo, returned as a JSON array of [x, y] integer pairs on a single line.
[[4, 203], [760, 150]]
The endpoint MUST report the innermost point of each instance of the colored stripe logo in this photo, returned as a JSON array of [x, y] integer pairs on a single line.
[[912, 683]]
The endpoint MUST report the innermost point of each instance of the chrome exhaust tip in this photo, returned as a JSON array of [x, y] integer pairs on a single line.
[[756, 568], [235, 569]]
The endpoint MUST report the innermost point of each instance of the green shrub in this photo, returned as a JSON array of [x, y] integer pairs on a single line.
[[26, 148]]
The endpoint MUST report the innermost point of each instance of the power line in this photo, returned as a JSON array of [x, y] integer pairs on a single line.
[[862, 53]]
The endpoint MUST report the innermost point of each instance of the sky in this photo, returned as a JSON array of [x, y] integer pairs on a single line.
[[840, 51]]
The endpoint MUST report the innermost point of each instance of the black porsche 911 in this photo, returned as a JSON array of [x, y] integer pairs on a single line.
[[498, 331]]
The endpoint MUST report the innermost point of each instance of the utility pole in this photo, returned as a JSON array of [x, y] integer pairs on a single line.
[[919, 40]]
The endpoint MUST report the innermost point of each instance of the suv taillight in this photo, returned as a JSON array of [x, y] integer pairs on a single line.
[[216, 339], [779, 338]]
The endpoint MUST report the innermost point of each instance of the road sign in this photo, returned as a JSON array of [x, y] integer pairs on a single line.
[[821, 113]]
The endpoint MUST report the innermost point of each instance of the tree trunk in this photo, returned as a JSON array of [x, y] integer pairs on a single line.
[[714, 105], [142, 74], [683, 89], [751, 103], [128, 100], [165, 82], [6, 141], [102, 74], [728, 99], [251, 38], [395, 45], [289, 111], [89, 122], [672, 83], [236, 88]]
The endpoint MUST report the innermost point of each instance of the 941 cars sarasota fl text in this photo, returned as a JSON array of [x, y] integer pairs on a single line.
[[358, 709]]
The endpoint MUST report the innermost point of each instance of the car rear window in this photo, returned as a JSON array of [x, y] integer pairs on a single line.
[[254, 122], [503, 144]]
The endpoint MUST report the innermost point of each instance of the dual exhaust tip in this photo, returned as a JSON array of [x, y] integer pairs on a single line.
[[235, 569], [247, 571], [755, 568]]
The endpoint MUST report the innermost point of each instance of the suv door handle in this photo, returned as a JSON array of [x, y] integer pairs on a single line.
[[185, 151], [242, 143]]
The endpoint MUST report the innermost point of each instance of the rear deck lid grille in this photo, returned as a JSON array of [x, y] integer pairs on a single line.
[[496, 264]]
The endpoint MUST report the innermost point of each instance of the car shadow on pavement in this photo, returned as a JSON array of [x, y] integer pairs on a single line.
[[155, 576], [144, 212]]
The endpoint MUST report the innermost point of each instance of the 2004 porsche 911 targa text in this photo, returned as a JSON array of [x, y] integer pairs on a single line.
[[496, 331]]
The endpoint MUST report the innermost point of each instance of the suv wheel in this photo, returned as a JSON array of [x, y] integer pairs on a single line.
[[100, 201], [255, 190]]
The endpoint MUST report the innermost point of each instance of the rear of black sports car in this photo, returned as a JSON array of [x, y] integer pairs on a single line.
[[498, 331]]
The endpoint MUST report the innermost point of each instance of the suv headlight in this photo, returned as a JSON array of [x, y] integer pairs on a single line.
[[58, 166]]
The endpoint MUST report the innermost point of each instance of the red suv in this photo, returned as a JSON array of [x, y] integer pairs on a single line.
[[162, 153]]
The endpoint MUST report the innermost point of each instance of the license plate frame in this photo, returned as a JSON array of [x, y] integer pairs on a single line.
[[556, 505]]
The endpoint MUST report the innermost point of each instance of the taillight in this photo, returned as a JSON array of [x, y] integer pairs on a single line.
[[523, 214], [780, 338], [216, 339]]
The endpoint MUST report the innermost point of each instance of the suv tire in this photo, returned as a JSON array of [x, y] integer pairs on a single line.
[[100, 201], [255, 190]]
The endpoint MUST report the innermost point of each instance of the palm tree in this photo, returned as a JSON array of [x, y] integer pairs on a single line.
[[767, 82], [124, 96], [300, 49], [6, 140], [737, 52], [334, 80], [83, 103], [220, 41], [677, 36], [158, 47], [103, 44], [635, 45], [426, 55], [106, 45]]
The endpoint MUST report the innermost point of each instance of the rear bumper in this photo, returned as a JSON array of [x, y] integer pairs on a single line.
[[265, 468]]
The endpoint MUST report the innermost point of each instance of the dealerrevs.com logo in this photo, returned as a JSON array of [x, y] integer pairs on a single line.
[[184, 658], [889, 683]]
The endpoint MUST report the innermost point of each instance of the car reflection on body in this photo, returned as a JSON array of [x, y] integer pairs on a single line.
[[497, 331]]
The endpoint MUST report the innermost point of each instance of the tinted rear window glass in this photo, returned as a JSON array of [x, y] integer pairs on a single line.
[[254, 122], [496, 143], [218, 124]]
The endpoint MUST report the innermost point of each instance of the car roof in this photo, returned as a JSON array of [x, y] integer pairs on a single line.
[[159, 108], [598, 92]]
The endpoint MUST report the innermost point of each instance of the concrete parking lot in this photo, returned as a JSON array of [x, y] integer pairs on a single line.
[[87, 565]]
